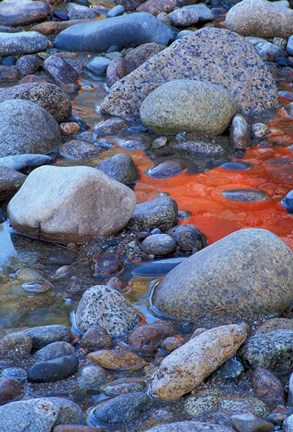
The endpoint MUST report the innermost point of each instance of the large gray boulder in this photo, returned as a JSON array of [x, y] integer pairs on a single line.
[[26, 127], [187, 105], [210, 54], [72, 204], [261, 18], [49, 96], [123, 31], [22, 43], [247, 274], [23, 12]]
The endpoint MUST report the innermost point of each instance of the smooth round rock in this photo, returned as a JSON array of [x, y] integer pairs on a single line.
[[268, 387], [22, 42], [236, 166], [119, 359], [245, 195], [24, 12], [44, 335], [188, 237], [91, 377], [9, 389], [189, 426], [157, 213], [158, 244], [120, 167], [183, 17], [168, 168], [187, 105], [53, 370], [10, 182]]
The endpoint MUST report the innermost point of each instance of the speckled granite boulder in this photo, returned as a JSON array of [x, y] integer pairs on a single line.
[[189, 426], [210, 54], [106, 307], [187, 105], [23, 12], [22, 43], [248, 274], [71, 204], [122, 31], [261, 18], [186, 367]]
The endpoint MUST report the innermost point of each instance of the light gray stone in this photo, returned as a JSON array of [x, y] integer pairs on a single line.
[[44, 335], [23, 12], [289, 46], [240, 132], [288, 424], [189, 426], [183, 17], [19, 162], [158, 244], [72, 204], [76, 11], [22, 42]]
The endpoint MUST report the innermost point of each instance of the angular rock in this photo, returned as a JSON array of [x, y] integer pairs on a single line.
[[44, 335], [60, 70], [72, 204], [185, 368], [248, 273], [53, 370], [210, 54], [106, 307], [188, 105], [261, 18], [122, 31], [23, 12], [22, 42], [48, 96], [268, 387], [26, 127], [10, 182], [157, 213], [189, 426], [120, 167]]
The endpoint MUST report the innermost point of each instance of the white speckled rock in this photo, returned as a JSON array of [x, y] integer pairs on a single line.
[[72, 204], [186, 367], [189, 426], [22, 43]]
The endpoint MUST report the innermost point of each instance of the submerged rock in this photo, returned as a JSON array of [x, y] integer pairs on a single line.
[[120, 167], [72, 204]]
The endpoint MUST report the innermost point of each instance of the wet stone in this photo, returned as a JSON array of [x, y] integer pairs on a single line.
[[98, 65], [245, 195], [183, 17], [54, 350], [122, 386], [53, 370], [275, 324], [10, 182], [133, 145], [146, 338], [172, 343], [16, 345], [232, 368], [79, 150], [188, 237], [158, 245], [76, 428], [91, 377], [159, 142], [96, 338], [76, 12], [69, 127], [117, 359], [260, 130], [45, 335], [236, 166], [120, 167], [287, 202], [240, 132], [17, 13], [250, 423], [21, 162], [36, 287], [268, 387], [109, 127], [9, 389], [168, 168], [22, 43], [189, 426], [106, 264], [28, 64], [60, 70], [8, 73]]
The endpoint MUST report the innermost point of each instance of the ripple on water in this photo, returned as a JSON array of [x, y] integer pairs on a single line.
[[245, 195]]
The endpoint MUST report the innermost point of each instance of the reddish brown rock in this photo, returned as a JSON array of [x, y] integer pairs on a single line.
[[96, 338], [117, 359], [9, 390], [268, 387], [147, 337], [8, 73], [154, 7]]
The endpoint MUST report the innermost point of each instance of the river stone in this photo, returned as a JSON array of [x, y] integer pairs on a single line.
[[38, 415], [15, 345], [10, 182], [20, 162], [120, 167], [48, 96], [188, 237], [210, 54], [44, 335], [187, 367], [186, 105], [91, 377], [189, 426], [26, 127], [157, 213], [108, 308], [158, 244], [23, 12], [261, 18], [53, 350], [72, 204], [288, 424], [118, 359], [76, 12], [53, 370], [122, 31], [183, 17], [155, 7], [9, 389], [271, 351], [250, 423], [129, 4], [22, 42], [28, 64], [268, 387], [248, 273]]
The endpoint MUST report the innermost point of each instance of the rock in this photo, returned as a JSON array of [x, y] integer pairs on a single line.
[[10, 182], [38, 415], [106, 264], [288, 424], [250, 423], [98, 65], [8, 73], [28, 64], [23, 12], [54, 350], [289, 46], [146, 338], [61, 71], [120, 167], [53, 370], [268, 387], [287, 202], [76, 428], [185, 368], [48, 96], [245, 195], [172, 343], [204, 13], [251, 276], [260, 130], [189, 426], [122, 409], [188, 237], [166, 168], [95, 338], [232, 368], [45, 335], [22, 42], [91, 377], [158, 213], [117, 69], [20, 162], [26, 127], [268, 51], [183, 17], [110, 127], [271, 351], [240, 133], [187, 105], [117, 359], [242, 405], [158, 245], [72, 204], [210, 54], [9, 389], [290, 391], [70, 128], [155, 7], [15, 345], [137, 56], [106, 307], [79, 150], [274, 324], [122, 31], [76, 12], [129, 4], [116, 11], [261, 18]]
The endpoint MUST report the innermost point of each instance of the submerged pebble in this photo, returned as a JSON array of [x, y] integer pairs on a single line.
[[245, 195]]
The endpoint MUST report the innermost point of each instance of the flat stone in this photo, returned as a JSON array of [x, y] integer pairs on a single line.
[[10, 182], [22, 42], [210, 54], [245, 195], [157, 213], [23, 12], [117, 359], [122, 31], [44, 335]]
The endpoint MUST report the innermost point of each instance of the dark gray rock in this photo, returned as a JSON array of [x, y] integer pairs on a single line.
[[53, 350], [53, 370], [20, 162], [188, 237], [189, 426], [24, 12], [157, 213], [120, 167], [122, 409], [10, 182], [26, 127], [210, 54], [158, 244], [28, 64], [123, 31], [22, 42], [60, 70], [48, 96], [45, 335]]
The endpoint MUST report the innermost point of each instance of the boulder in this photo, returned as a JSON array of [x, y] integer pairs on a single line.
[[22, 42], [122, 31], [261, 18], [104, 306], [48, 96], [72, 204], [23, 12], [248, 274], [187, 367], [187, 105], [26, 127], [210, 54]]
